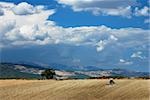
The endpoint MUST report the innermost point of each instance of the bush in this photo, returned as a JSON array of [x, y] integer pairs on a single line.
[[48, 74]]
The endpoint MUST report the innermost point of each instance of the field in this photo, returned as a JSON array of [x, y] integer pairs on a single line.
[[74, 90]]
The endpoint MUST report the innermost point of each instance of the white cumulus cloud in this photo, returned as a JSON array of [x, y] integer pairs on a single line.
[[142, 12], [25, 9], [104, 7], [102, 43], [35, 29], [137, 55], [122, 61]]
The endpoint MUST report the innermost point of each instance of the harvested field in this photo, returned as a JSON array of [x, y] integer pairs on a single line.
[[74, 90]]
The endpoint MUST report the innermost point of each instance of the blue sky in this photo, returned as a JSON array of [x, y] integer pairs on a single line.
[[71, 19], [103, 33]]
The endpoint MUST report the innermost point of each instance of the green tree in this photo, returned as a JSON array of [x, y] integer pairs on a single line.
[[48, 73]]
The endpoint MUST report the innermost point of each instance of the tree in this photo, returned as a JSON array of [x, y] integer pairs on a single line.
[[48, 73]]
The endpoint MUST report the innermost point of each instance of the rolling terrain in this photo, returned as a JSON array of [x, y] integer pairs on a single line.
[[74, 90], [14, 71], [27, 71]]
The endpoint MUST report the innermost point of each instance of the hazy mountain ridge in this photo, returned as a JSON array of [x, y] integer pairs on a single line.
[[12, 70], [17, 71]]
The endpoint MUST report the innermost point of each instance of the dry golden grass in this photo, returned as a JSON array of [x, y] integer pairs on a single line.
[[74, 90]]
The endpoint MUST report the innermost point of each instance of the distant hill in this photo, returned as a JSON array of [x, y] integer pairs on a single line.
[[128, 73], [8, 70], [13, 70], [61, 66], [74, 68]]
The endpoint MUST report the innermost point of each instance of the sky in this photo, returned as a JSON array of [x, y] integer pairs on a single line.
[[102, 33]]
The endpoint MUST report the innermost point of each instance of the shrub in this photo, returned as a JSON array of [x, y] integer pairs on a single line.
[[48, 73]]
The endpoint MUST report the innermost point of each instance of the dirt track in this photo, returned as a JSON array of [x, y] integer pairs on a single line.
[[74, 90]]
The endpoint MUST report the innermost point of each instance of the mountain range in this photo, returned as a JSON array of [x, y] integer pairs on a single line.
[[28, 71]]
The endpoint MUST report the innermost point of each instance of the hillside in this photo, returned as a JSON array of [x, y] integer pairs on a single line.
[[18, 71], [74, 90], [11, 70]]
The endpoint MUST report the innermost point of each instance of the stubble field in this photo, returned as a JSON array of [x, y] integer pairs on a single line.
[[74, 90]]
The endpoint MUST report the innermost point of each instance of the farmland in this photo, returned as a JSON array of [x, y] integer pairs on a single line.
[[93, 89]]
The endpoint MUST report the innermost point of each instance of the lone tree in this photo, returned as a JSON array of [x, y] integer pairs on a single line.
[[48, 73]]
